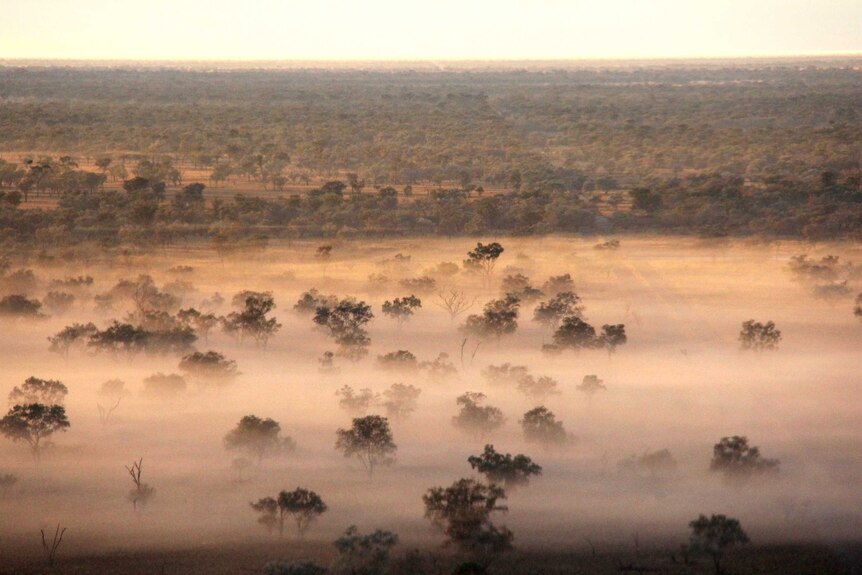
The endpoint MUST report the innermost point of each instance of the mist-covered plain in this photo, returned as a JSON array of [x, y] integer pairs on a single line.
[[680, 382]]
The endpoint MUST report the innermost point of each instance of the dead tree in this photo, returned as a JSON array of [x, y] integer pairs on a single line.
[[105, 412], [51, 550], [454, 301], [142, 491]]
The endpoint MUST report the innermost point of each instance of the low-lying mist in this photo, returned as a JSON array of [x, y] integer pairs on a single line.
[[680, 382]]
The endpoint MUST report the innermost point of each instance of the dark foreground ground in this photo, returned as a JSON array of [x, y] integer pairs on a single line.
[[250, 558]]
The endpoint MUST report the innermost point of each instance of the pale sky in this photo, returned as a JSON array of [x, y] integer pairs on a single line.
[[436, 30]]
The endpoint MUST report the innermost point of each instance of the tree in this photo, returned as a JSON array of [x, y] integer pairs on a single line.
[[34, 423], [346, 324], [857, 311], [401, 360], [590, 385], [202, 323], [575, 333], [259, 438], [269, 514], [210, 366], [454, 301], [538, 389], [400, 400], [36, 390], [733, 457], [369, 440], [612, 337], [142, 492], [499, 318], [440, 369], [119, 338], [252, 320], [402, 309], [164, 386], [563, 304], [505, 374], [651, 463], [114, 390], [364, 554], [540, 425], [504, 468], [474, 418], [559, 284], [758, 336], [70, 336], [19, 306], [355, 403], [326, 363], [313, 299], [305, 506], [715, 535], [483, 258], [463, 512]]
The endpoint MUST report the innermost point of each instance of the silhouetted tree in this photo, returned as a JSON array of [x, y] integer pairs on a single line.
[[562, 305], [70, 336], [612, 337], [483, 258], [142, 492], [499, 318], [369, 440], [364, 554], [575, 333], [34, 423], [17, 306], [733, 457], [540, 425], [346, 324], [259, 438], [402, 309], [463, 512], [209, 366], [252, 320], [303, 505], [202, 323], [36, 390], [758, 336], [311, 300], [474, 418], [401, 360], [715, 535], [504, 468]]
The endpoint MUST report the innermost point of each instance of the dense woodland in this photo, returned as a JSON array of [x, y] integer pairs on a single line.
[[768, 149]]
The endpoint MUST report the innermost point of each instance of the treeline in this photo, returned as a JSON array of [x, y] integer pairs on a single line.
[[493, 128], [145, 213], [772, 150]]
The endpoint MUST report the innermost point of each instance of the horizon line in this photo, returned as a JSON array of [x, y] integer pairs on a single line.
[[25, 61]]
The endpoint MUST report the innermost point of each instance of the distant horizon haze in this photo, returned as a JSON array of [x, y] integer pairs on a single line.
[[393, 32]]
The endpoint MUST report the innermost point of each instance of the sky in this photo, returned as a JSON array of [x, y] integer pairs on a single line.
[[429, 30]]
